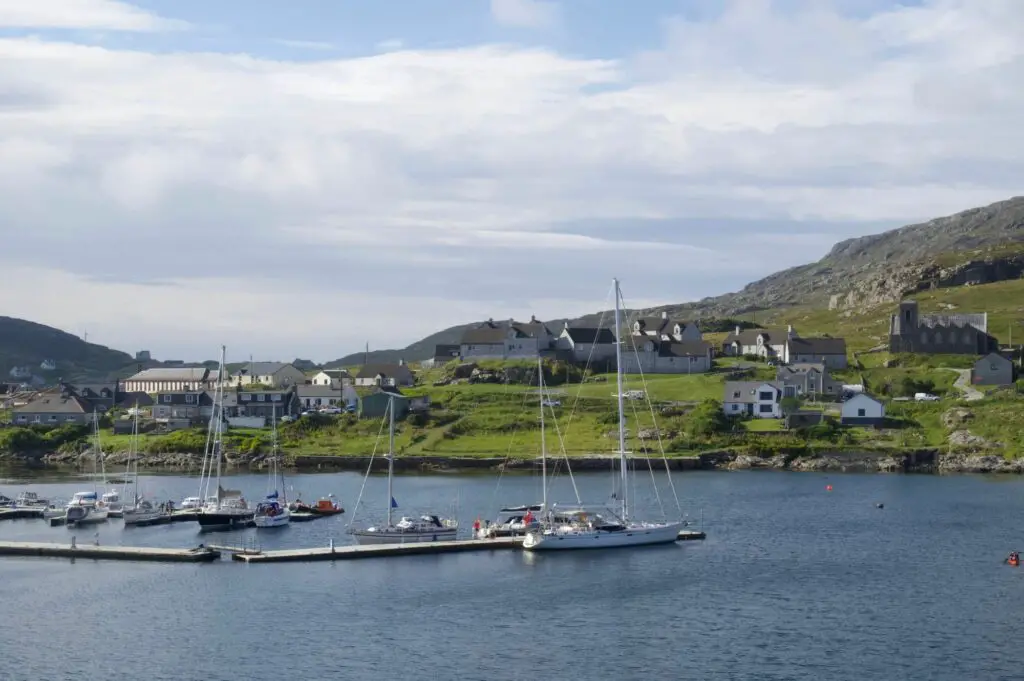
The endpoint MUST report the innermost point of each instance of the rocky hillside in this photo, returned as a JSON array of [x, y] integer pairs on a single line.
[[979, 245], [27, 344]]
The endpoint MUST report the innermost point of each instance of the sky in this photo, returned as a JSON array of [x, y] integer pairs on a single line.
[[299, 179]]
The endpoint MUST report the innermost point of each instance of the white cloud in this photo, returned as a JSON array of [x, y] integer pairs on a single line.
[[525, 13], [416, 188], [82, 14], [315, 45]]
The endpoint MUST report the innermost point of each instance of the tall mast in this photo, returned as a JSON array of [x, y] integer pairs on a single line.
[[543, 447], [618, 380], [218, 413], [391, 453]]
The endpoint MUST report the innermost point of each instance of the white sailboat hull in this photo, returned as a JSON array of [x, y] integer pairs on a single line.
[[92, 516], [283, 518], [633, 535], [396, 536]]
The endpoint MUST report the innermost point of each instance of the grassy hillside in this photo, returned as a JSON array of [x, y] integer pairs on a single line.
[[24, 343]]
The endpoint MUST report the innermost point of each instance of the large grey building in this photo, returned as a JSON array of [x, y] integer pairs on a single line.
[[958, 334]]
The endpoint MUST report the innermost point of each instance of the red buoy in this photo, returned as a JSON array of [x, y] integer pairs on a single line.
[[828, 488]]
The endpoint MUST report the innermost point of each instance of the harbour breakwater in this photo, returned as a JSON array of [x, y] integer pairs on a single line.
[[923, 460]]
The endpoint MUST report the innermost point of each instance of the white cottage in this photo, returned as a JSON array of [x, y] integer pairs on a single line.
[[862, 410], [751, 398]]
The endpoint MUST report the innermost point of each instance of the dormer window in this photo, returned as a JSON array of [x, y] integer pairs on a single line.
[[244, 397], [259, 397], [167, 398], [190, 399]]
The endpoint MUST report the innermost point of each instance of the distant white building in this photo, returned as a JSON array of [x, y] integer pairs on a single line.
[[862, 410], [48, 365], [331, 378]]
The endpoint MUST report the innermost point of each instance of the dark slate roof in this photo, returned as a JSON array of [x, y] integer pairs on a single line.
[[532, 328], [588, 334], [749, 336], [747, 390], [977, 320], [306, 391], [488, 334], [178, 397], [260, 368], [446, 351], [817, 346], [397, 371], [129, 400], [687, 349], [55, 403]]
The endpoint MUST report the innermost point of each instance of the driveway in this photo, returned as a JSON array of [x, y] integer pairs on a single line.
[[964, 385]]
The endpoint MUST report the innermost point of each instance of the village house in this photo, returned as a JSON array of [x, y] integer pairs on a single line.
[[810, 381], [170, 379], [993, 369], [54, 409], [260, 404], [385, 374], [270, 374], [191, 406], [761, 400], [664, 328], [443, 353], [961, 334], [375, 405], [822, 350], [766, 343], [314, 397], [587, 344], [658, 356], [331, 377], [862, 410], [507, 340]]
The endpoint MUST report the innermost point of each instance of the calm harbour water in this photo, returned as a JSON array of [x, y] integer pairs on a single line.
[[793, 582]]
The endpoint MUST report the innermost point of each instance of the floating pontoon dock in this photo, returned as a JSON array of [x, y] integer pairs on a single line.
[[95, 552]]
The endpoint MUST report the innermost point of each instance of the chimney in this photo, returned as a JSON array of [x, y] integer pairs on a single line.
[[533, 319], [490, 320], [737, 329], [664, 314], [401, 362], [789, 331]]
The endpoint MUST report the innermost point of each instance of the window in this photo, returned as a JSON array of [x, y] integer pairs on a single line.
[[765, 408], [967, 337], [924, 337], [276, 397], [861, 412], [938, 337], [992, 367], [765, 395], [70, 418], [736, 394], [735, 407], [53, 417], [167, 399], [244, 397], [37, 418], [828, 389], [259, 398], [190, 399]]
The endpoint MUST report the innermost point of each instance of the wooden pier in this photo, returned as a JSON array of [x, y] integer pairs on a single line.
[[378, 550], [96, 552]]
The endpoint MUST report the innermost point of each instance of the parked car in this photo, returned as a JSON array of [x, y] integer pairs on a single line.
[[330, 410], [552, 403], [925, 397]]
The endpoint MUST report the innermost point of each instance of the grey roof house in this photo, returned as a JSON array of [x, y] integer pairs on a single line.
[[385, 374], [993, 369], [273, 374], [810, 380], [54, 409]]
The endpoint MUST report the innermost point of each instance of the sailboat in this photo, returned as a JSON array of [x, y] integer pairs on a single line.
[[141, 511], [515, 521], [582, 529], [424, 528], [271, 512], [86, 507], [227, 508]]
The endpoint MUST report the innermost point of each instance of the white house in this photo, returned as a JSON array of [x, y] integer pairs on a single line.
[[767, 343], [21, 372], [666, 329], [751, 398], [507, 340], [48, 365], [393, 375], [316, 396], [657, 356], [169, 379], [862, 410], [271, 374], [331, 377], [587, 344]]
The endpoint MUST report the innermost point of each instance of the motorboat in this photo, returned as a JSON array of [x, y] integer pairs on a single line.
[[324, 506], [191, 503], [84, 508], [55, 509], [6, 502], [513, 521], [112, 501], [30, 500]]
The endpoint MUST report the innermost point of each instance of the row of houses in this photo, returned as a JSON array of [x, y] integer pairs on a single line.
[[764, 400], [265, 374]]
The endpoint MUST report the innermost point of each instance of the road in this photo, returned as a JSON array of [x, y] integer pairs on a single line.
[[964, 385]]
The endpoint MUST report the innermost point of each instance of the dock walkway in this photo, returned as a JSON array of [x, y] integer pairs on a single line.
[[378, 550], [94, 552]]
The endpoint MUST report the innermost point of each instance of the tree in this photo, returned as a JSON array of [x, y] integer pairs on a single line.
[[707, 420]]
